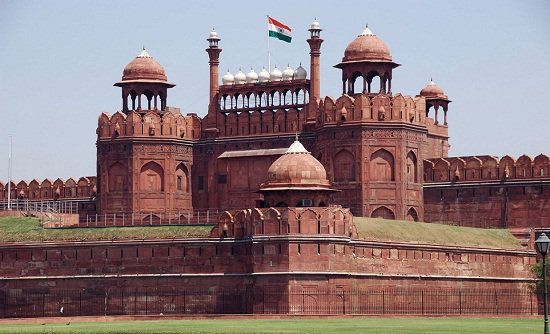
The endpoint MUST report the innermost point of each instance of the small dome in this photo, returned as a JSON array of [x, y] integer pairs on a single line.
[[433, 91], [288, 73], [144, 68], [300, 73], [213, 35], [228, 78], [251, 77], [315, 25], [240, 78], [296, 168], [367, 47], [276, 74], [263, 76]]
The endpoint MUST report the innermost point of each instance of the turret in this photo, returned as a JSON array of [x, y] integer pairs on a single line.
[[214, 55], [314, 42]]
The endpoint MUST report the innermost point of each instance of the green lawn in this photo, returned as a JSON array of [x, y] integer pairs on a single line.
[[407, 231], [313, 326], [14, 229]]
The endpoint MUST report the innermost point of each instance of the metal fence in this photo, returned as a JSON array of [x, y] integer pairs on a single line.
[[178, 217], [156, 301], [51, 206]]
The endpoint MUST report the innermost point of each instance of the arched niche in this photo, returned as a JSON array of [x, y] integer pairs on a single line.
[[182, 178], [383, 212], [412, 215], [382, 166], [117, 177], [344, 166], [151, 177], [412, 168]]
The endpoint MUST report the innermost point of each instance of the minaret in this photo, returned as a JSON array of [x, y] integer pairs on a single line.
[[214, 55], [314, 42]]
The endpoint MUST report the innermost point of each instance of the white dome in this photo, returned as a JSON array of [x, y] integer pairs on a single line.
[[251, 77], [228, 78], [240, 78], [288, 73], [213, 35], [300, 73], [276, 74], [263, 76], [315, 25]]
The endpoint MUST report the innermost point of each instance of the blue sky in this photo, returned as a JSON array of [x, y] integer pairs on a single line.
[[59, 60]]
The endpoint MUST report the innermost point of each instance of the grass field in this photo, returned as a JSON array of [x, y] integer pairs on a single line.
[[395, 230], [29, 229], [309, 326], [15, 229]]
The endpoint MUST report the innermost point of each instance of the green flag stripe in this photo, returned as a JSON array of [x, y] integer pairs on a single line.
[[280, 36]]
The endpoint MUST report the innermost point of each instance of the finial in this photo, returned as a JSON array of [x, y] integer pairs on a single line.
[[366, 25], [144, 47], [296, 135]]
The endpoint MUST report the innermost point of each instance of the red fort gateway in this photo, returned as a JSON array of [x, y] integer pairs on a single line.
[[286, 169]]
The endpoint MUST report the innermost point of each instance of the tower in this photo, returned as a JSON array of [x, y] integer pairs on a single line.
[[314, 42], [437, 139], [214, 55], [371, 140], [144, 152]]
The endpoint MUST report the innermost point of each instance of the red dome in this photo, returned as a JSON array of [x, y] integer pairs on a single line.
[[433, 91], [367, 47], [297, 168], [145, 69]]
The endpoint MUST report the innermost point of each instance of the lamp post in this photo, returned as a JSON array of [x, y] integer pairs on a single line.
[[543, 244]]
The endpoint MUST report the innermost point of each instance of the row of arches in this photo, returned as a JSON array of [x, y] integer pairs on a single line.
[[138, 99], [50, 190], [267, 122], [151, 178], [261, 99], [381, 167], [485, 168], [373, 82], [386, 213]]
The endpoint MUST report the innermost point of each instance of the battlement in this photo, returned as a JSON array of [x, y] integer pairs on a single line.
[[149, 123], [485, 167], [376, 108], [84, 187]]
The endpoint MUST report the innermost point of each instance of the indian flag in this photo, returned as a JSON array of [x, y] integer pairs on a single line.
[[279, 30]]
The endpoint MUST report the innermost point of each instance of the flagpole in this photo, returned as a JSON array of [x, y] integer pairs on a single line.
[[268, 52], [9, 175]]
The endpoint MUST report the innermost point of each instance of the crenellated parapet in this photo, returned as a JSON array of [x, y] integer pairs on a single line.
[[484, 168], [72, 188], [334, 220], [149, 124], [378, 108]]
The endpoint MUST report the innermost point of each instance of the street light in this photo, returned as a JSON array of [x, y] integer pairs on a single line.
[[543, 244]]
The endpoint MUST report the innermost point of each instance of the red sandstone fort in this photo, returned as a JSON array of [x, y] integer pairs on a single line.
[[281, 171]]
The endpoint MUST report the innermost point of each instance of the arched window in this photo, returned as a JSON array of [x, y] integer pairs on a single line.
[[412, 215], [151, 177], [182, 178], [383, 212], [382, 166], [412, 174], [344, 166], [118, 177]]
